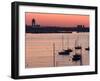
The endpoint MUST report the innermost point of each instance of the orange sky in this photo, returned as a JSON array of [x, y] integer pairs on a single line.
[[62, 20]]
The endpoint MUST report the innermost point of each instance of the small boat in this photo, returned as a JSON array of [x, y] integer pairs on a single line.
[[78, 47], [65, 51], [76, 57], [68, 50], [87, 49]]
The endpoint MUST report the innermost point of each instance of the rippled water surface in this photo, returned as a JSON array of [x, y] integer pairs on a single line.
[[42, 50]]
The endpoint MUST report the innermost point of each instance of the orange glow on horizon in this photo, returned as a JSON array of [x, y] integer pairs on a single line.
[[61, 20]]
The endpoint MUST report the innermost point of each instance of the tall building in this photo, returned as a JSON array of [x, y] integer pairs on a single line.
[[33, 22]]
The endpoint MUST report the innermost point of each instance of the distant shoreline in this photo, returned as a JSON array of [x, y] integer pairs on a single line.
[[30, 29]]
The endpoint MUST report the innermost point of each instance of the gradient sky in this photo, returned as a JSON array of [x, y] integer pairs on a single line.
[[61, 20]]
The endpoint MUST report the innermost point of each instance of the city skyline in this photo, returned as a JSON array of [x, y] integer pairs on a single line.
[[60, 20]]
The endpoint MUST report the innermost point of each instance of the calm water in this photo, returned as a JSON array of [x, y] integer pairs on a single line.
[[42, 49]]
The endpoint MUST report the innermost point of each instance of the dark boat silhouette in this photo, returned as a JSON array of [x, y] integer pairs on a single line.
[[65, 51], [78, 47], [68, 50], [87, 48], [76, 57], [76, 44]]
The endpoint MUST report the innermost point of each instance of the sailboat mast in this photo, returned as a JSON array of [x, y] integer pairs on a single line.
[[62, 42], [54, 56], [68, 43], [88, 41], [75, 45]]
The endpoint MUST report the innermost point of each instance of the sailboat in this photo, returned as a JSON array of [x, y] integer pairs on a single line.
[[77, 56], [65, 51], [77, 44], [88, 46]]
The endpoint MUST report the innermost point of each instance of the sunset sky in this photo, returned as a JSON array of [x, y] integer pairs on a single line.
[[61, 20]]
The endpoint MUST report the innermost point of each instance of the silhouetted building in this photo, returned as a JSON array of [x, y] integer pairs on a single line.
[[80, 26], [33, 22]]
